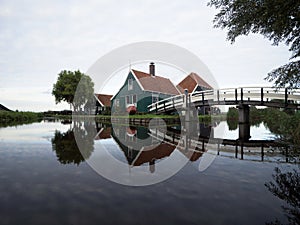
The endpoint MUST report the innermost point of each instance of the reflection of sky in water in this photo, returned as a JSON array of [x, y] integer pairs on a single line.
[[35, 132], [259, 132], [111, 147]]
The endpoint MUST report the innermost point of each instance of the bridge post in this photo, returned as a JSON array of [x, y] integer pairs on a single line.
[[242, 95], [186, 105], [189, 119], [244, 123]]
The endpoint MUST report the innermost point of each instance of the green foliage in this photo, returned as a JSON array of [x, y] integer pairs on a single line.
[[286, 126], [286, 76], [232, 118], [67, 150], [277, 20], [233, 113], [10, 118], [69, 83]]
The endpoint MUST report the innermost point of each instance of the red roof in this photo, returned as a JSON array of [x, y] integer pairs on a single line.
[[191, 81], [159, 152], [156, 83], [104, 99], [104, 133], [191, 155]]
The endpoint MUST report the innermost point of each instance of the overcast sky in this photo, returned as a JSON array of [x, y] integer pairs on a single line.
[[38, 39]]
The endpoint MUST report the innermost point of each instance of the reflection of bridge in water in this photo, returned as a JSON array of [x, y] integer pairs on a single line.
[[233, 148], [143, 146]]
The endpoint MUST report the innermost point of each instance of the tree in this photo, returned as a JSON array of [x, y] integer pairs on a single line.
[[277, 20], [69, 83]]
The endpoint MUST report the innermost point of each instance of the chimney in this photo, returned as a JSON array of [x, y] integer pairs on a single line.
[[152, 69]]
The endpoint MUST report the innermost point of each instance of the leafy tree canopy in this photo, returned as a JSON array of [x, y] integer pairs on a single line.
[[277, 20], [68, 83]]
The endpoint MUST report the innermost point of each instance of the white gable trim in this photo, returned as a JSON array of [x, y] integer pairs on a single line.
[[137, 80], [98, 100], [143, 89], [196, 86]]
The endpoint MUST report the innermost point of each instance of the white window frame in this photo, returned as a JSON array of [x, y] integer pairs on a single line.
[[117, 103], [128, 97], [130, 84], [155, 96], [132, 100]]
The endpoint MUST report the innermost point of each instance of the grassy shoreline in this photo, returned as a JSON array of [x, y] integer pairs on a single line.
[[9, 118]]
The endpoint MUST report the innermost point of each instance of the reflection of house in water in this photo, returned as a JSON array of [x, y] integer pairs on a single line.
[[140, 148], [206, 130], [187, 143], [103, 132]]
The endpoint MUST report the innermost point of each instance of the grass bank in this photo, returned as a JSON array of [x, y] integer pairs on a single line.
[[9, 118]]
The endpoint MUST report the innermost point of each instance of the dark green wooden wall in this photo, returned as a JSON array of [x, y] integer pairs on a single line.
[[144, 98]]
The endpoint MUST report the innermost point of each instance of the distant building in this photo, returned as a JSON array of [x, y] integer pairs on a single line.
[[140, 90], [3, 108], [103, 104], [193, 82]]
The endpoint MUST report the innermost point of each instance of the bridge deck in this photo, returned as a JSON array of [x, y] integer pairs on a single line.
[[256, 96]]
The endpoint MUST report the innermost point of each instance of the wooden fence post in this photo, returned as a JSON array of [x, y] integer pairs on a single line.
[[241, 94]]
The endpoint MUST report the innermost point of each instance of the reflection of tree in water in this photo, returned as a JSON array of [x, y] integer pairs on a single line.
[[287, 129], [286, 186], [66, 148]]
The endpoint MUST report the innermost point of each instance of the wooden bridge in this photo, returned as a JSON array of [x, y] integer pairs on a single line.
[[256, 96]]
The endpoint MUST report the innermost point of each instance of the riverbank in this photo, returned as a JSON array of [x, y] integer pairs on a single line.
[[10, 118]]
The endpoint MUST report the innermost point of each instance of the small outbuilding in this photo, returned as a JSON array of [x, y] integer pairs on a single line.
[[193, 82], [103, 104]]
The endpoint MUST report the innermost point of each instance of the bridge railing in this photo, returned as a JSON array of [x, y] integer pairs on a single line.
[[258, 95], [167, 104]]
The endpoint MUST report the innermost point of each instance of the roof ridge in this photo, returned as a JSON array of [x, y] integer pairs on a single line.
[[150, 74]]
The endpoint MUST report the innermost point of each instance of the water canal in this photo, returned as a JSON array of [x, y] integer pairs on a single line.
[[45, 179]]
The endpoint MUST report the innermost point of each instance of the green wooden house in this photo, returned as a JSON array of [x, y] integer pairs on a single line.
[[141, 89]]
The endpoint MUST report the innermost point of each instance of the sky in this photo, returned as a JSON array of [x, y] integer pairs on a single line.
[[38, 39]]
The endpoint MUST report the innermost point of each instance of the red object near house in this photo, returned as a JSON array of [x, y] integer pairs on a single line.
[[131, 110], [131, 131]]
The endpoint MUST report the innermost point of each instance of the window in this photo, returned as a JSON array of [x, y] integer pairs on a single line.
[[154, 98], [117, 103], [130, 84], [127, 99], [133, 99]]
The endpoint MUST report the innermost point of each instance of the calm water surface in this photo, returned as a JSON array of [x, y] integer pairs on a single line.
[[45, 180]]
